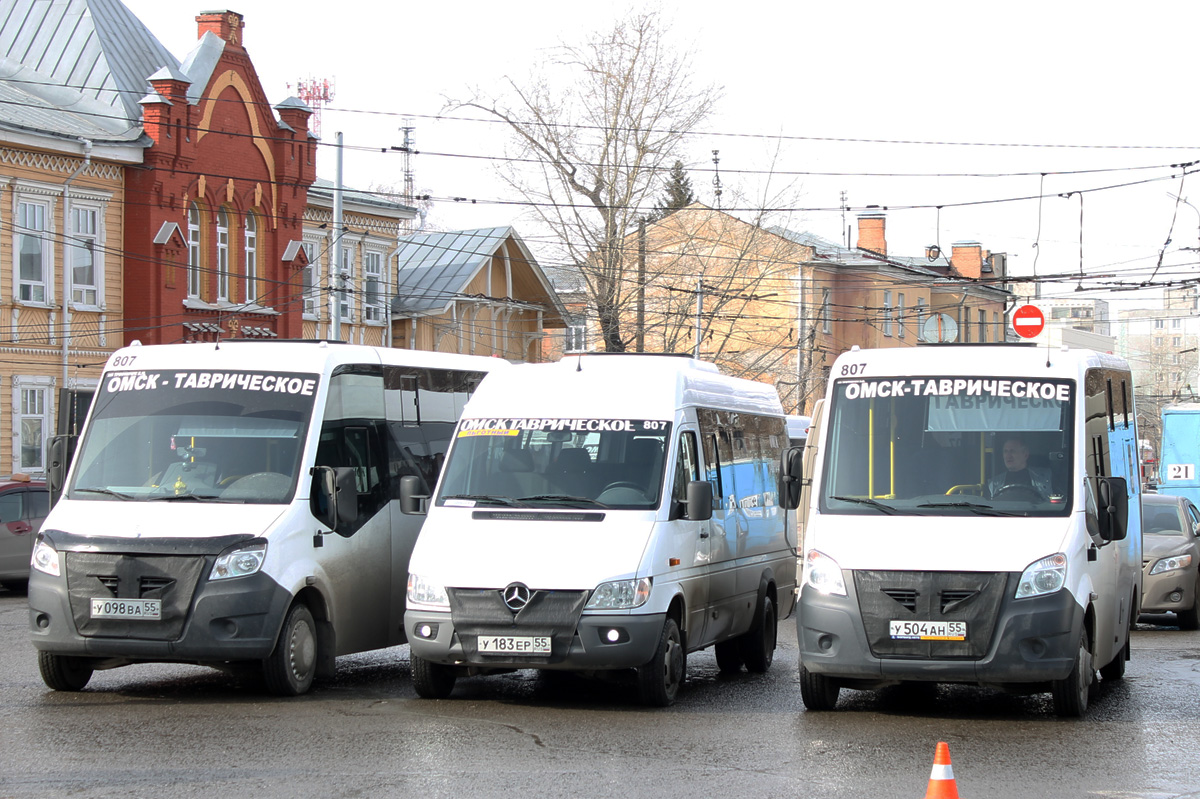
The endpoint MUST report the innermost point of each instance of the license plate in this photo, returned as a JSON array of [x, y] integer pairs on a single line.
[[929, 630], [149, 609], [514, 644]]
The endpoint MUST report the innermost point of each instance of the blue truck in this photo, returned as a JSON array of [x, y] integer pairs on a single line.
[[1179, 462]]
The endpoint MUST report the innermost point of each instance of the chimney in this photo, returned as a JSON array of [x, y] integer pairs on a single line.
[[966, 258], [225, 24], [871, 232]]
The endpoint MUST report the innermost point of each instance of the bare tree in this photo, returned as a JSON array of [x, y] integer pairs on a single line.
[[590, 151]]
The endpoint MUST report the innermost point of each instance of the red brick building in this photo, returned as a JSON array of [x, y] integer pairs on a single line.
[[213, 228]]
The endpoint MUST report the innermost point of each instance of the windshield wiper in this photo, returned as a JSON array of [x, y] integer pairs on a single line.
[[974, 507], [195, 497], [564, 498], [866, 501], [107, 492], [486, 499]]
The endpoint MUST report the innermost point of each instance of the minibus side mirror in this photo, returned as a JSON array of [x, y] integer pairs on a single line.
[[59, 457], [699, 500], [1113, 510], [334, 498], [412, 498], [791, 473]]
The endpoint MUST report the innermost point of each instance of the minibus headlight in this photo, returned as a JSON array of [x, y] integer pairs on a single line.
[[620, 595], [45, 558], [1171, 564], [423, 592], [824, 574], [1043, 577], [239, 562]]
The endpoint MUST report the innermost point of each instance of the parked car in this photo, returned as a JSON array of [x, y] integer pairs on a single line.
[[24, 504], [1170, 557]]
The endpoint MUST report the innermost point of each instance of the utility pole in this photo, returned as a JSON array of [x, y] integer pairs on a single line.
[[699, 311], [336, 284], [640, 345]]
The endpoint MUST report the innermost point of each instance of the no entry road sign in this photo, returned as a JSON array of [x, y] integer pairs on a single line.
[[1028, 321]]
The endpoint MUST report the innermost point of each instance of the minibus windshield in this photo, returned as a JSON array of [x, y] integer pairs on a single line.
[[936, 445], [195, 435], [566, 463]]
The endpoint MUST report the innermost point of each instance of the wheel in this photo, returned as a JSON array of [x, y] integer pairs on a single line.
[[660, 678], [818, 691], [1115, 669], [289, 670], [1071, 693], [64, 672], [1190, 619], [432, 680], [758, 643], [729, 656], [1019, 492]]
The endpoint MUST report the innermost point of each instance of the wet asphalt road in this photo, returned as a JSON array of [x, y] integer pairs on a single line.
[[179, 731]]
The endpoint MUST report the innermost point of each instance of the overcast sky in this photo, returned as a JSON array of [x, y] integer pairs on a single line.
[[912, 105]]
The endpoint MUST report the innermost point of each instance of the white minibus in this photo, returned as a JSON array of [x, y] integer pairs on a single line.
[[974, 518], [193, 525], [604, 512]]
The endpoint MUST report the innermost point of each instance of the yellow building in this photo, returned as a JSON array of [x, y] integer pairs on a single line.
[[778, 306]]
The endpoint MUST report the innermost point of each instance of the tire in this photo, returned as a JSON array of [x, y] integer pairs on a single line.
[[64, 672], [432, 680], [1190, 619], [660, 679], [818, 691], [758, 644], [729, 656], [1071, 693], [290, 669]]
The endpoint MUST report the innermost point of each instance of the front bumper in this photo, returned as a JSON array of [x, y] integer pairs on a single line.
[[1168, 592], [1032, 640], [202, 621], [585, 648]]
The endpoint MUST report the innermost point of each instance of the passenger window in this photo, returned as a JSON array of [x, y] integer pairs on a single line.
[[39, 504], [11, 506]]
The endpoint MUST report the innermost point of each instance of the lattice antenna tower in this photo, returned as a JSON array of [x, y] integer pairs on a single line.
[[315, 92], [409, 148], [716, 159]]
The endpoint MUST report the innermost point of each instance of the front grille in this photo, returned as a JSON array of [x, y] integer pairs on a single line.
[[477, 612], [173, 579], [973, 597], [908, 599]]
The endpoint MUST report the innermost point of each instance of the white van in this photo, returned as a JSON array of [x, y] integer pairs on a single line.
[[193, 525], [975, 517], [604, 512]]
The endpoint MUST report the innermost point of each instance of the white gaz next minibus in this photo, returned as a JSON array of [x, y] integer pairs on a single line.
[[194, 523], [604, 512], [974, 518]]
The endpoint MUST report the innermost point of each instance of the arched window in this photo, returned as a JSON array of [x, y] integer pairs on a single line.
[[222, 254], [193, 263], [251, 257]]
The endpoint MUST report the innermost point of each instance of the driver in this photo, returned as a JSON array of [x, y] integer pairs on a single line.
[[1017, 471]]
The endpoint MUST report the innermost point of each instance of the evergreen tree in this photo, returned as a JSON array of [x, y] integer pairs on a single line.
[[678, 194]]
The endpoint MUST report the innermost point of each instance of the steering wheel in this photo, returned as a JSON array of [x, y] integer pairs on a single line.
[[624, 484], [1019, 491]]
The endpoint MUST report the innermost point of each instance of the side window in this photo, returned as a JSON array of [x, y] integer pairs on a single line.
[[12, 506], [352, 435], [39, 504], [687, 465]]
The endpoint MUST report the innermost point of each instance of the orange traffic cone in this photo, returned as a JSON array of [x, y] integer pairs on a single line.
[[941, 779]]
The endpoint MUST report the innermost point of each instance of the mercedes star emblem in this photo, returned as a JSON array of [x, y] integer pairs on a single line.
[[516, 596]]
